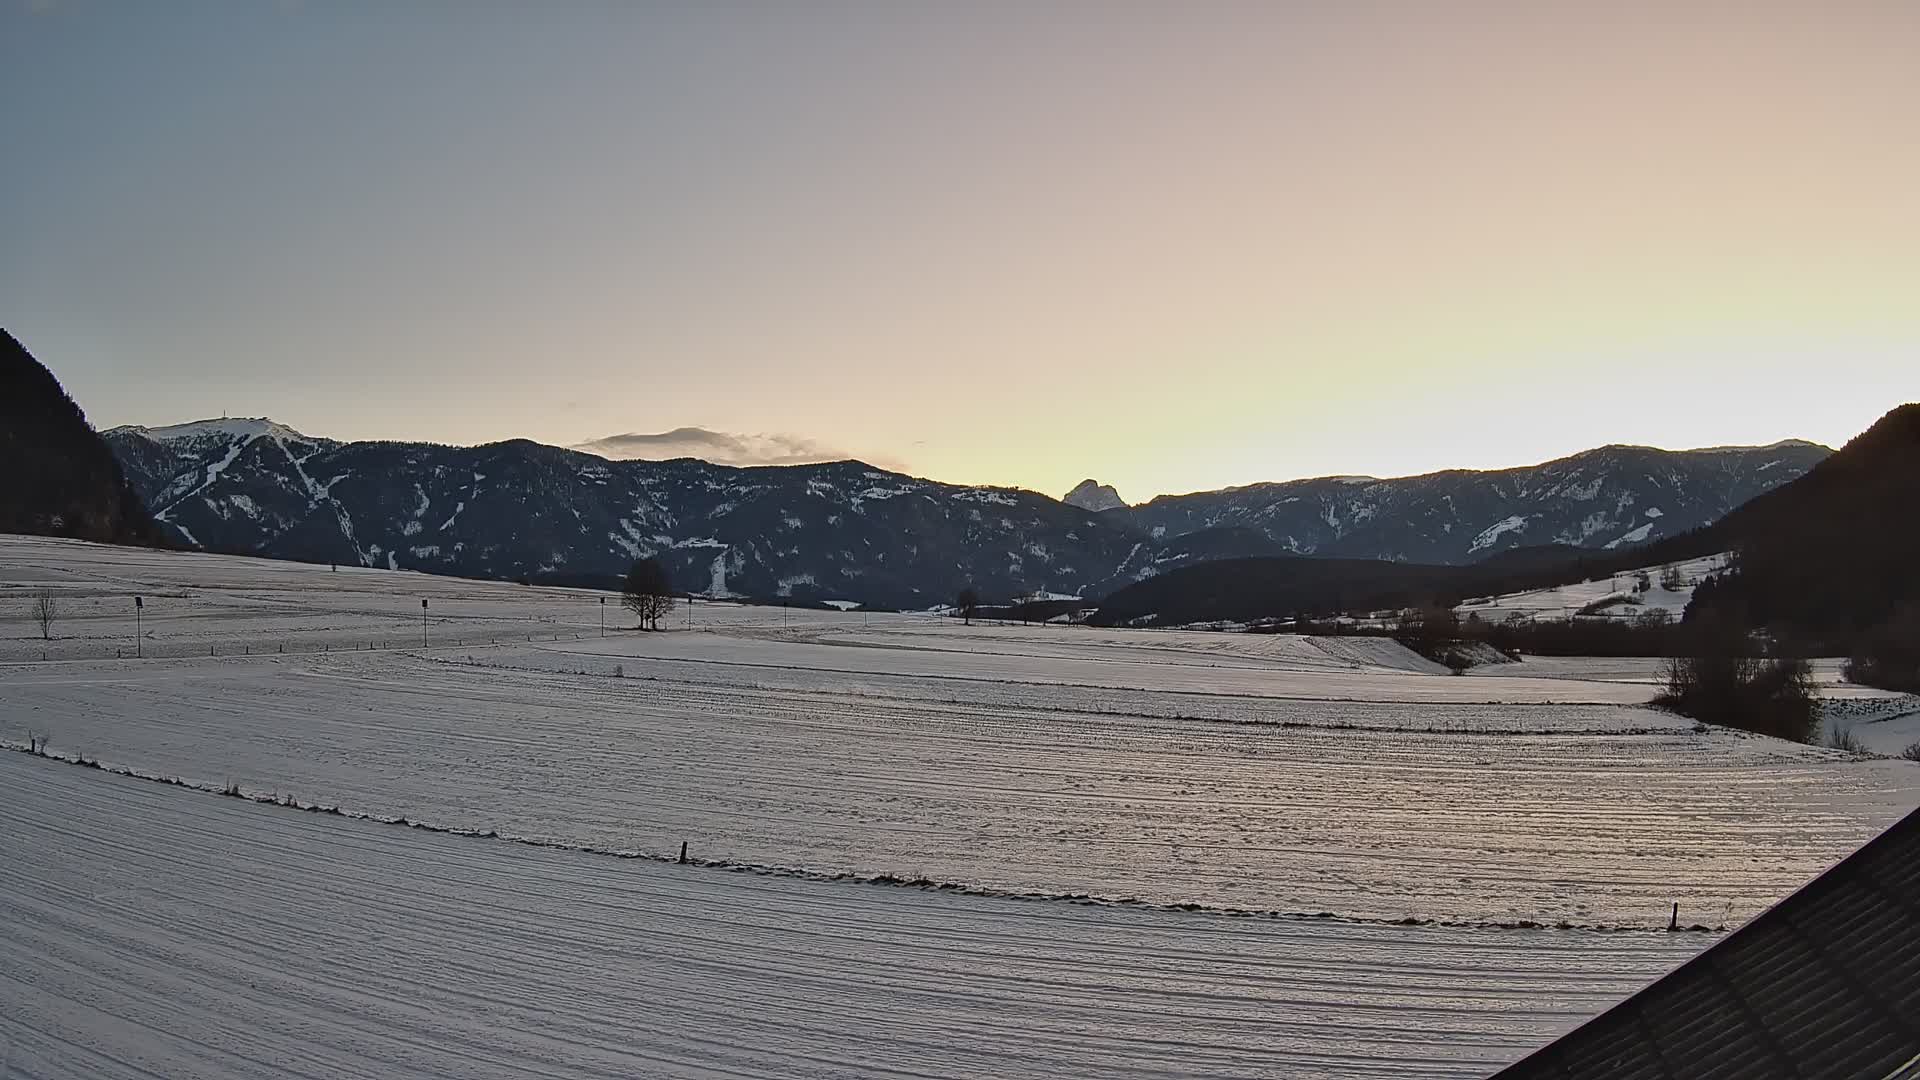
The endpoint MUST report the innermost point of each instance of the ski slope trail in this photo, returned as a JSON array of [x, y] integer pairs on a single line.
[[159, 931]]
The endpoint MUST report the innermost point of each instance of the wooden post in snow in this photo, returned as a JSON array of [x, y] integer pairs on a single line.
[[683, 853]]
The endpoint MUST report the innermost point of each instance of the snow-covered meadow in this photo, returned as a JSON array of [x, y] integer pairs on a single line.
[[158, 932], [1627, 600], [1123, 852]]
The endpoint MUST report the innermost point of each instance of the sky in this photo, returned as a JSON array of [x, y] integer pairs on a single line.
[[1170, 246]]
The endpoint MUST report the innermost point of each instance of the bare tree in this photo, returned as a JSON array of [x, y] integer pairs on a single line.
[[967, 603], [46, 611], [648, 592]]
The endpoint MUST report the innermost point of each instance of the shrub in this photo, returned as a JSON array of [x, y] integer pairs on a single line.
[[1911, 753], [1583, 637], [1767, 697], [1867, 669], [1428, 631], [1889, 657], [1843, 739]]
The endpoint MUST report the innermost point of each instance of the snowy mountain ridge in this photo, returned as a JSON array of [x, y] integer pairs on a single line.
[[239, 427], [1603, 498], [846, 530]]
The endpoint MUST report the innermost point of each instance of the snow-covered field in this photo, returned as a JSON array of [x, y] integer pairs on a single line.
[[1136, 853], [197, 605], [153, 931], [1888, 725], [1568, 600]]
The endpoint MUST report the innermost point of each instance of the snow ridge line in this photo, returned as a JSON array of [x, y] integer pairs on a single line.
[[1075, 686], [80, 760], [1230, 721]]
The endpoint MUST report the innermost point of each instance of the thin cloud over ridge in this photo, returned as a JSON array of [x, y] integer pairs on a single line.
[[719, 447]]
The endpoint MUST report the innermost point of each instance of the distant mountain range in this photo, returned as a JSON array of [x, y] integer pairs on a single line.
[[1825, 560], [847, 531], [521, 510], [1606, 498]]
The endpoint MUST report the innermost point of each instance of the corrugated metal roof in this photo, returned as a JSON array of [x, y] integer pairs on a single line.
[[1825, 983]]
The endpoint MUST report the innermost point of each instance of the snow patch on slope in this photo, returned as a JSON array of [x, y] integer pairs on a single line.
[[1638, 535], [1492, 533], [985, 495], [213, 473], [1564, 601]]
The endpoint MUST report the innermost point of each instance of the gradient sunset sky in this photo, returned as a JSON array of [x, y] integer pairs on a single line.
[[1173, 246]]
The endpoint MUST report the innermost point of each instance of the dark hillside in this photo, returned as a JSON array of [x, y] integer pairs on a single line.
[[60, 477], [1836, 553], [1281, 586]]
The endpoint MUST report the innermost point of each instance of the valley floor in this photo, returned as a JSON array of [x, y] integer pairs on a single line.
[[1139, 853]]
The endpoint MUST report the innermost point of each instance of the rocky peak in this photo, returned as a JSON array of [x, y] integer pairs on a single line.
[[1090, 495]]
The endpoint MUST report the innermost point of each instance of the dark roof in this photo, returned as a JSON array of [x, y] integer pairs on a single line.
[[1825, 983]]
